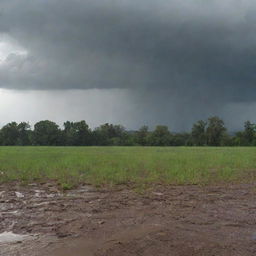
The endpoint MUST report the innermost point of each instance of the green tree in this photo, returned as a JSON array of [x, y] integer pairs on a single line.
[[142, 136], [77, 133], [109, 134], [180, 139], [161, 136], [68, 133], [25, 134], [82, 134], [198, 133], [215, 131], [9, 134], [249, 133], [46, 133]]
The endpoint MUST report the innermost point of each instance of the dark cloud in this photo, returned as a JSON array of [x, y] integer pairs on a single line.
[[193, 56]]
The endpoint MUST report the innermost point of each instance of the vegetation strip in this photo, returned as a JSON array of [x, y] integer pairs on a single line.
[[70, 166], [47, 133]]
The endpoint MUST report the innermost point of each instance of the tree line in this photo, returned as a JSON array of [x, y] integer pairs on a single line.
[[211, 132]]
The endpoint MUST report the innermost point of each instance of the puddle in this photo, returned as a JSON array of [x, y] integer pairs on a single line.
[[12, 212], [9, 237], [19, 195], [38, 193], [84, 190]]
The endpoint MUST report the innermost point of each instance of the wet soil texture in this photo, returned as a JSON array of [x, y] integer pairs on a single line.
[[165, 220]]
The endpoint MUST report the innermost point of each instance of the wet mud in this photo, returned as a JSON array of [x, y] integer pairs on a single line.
[[164, 220]]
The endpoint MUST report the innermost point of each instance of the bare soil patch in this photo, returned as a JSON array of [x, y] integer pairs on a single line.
[[165, 220]]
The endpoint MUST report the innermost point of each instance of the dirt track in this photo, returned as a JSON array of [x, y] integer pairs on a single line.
[[174, 220]]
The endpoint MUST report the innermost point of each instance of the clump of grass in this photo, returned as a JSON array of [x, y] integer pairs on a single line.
[[141, 166], [66, 186]]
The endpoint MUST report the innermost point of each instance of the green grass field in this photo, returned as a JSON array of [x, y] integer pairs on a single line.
[[121, 165]]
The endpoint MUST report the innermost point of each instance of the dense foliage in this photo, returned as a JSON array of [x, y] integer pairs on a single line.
[[47, 133]]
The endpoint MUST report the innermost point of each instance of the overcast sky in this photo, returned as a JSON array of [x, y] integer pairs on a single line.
[[131, 62]]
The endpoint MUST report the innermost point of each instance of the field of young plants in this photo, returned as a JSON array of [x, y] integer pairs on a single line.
[[70, 166]]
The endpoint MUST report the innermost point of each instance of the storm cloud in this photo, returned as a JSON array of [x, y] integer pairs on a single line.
[[182, 60]]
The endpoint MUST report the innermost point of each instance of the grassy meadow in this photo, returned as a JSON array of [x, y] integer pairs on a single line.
[[70, 166]]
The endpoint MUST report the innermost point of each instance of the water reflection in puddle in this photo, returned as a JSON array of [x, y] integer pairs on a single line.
[[10, 237]]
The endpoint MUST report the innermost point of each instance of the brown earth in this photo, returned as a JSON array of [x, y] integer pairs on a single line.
[[173, 220]]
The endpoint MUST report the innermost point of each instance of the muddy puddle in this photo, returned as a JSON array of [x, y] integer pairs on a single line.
[[40, 220], [10, 237]]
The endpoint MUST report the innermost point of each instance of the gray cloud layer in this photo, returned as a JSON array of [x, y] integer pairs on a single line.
[[173, 53]]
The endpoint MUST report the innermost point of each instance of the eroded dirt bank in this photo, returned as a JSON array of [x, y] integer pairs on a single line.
[[174, 220]]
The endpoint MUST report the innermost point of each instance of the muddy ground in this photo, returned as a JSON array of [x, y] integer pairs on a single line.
[[174, 220]]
